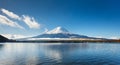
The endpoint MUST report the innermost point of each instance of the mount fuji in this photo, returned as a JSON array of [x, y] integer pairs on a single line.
[[60, 32]]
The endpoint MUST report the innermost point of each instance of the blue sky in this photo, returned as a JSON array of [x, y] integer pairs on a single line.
[[86, 17]]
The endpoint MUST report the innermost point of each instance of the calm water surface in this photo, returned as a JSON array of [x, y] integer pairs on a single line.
[[59, 54]]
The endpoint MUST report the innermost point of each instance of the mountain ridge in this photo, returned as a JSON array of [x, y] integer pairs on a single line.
[[60, 32]]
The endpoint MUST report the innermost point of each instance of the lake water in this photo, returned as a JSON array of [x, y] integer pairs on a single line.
[[59, 54]]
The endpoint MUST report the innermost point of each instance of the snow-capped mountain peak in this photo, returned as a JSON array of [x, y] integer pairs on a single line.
[[58, 30]]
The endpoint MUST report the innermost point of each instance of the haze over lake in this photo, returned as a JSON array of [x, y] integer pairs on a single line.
[[59, 53]]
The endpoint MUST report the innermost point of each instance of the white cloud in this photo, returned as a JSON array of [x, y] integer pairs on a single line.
[[4, 20], [114, 38], [99, 36], [10, 14], [30, 21], [107, 37], [14, 36]]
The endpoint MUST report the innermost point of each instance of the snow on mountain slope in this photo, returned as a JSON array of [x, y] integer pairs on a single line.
[[58, 30]]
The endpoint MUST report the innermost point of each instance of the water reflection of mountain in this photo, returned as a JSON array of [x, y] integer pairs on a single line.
[[32, 53], [67, 46], [61, 51]]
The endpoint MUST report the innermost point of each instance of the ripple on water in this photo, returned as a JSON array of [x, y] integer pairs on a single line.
[[60, 54]]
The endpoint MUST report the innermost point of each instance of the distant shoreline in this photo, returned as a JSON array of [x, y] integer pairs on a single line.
[[65, 41]]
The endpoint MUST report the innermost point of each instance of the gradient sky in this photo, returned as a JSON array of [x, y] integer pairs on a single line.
[[86, 17]]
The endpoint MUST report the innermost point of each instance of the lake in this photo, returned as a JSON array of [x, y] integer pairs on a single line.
[[59, 54]]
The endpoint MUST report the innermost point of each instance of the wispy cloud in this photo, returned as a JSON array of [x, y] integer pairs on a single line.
[[14, 36], [30, 21], [10, 14], [4, 20], [114, 37]]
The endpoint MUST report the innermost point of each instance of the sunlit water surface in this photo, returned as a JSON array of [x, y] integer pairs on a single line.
[[59, 54]]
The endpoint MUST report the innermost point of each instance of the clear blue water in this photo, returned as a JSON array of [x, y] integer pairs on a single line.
[[59, 54]]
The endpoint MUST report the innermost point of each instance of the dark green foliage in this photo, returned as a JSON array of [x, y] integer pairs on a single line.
[[3, 39]]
